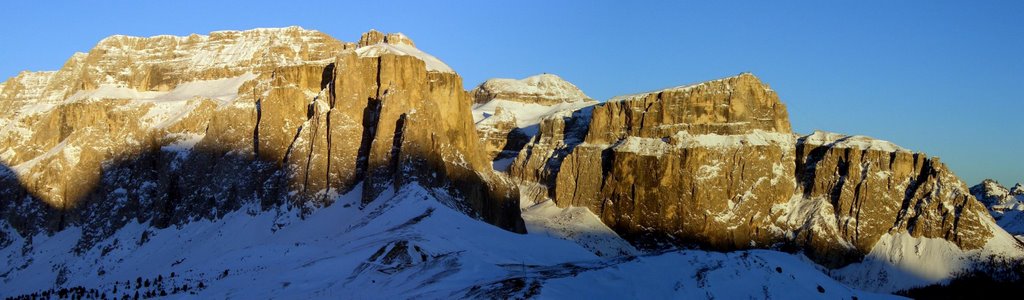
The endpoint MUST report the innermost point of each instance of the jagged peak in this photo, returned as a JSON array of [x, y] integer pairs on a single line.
[[838, 140], [991, 192], [543, 89], [1017, 189], [991, 186]]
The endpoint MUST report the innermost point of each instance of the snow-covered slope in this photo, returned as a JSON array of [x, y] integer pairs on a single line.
[[529, 100], [900, 261], [432, 63], [527, 115], [544, 89], [406, 244]]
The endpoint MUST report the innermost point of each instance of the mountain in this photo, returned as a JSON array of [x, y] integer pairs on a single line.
[[715, 165], [286, 163], [1005, 205], [508, 111]]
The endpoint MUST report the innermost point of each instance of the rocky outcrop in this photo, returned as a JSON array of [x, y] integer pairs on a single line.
[[500, 135], [194, 127], [541, 159], [697, 164], [875, 188]]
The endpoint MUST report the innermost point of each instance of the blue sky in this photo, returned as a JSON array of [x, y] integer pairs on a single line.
[[941, 77]]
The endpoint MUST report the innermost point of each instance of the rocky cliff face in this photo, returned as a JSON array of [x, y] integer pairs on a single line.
[[700, 163], [876, 188], [715, 164], [171, 129], [501, 135]]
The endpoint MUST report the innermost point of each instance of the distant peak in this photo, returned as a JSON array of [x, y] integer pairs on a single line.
[[544, 89], [374, 37], [989, 181], [837, 140]]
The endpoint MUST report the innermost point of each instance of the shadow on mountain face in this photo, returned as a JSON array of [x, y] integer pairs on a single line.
[[997, 277], [162, 188]]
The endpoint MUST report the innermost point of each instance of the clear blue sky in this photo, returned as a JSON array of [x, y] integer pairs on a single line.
[[942, 77]]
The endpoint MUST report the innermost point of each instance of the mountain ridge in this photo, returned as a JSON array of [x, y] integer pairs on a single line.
[[173, 131]]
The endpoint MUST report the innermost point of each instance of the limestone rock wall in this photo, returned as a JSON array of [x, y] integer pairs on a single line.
[[174, 129], [715, 164], [875, 188], [733, 105]]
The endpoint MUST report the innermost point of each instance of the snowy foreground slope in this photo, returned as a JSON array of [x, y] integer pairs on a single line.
[[405, 244]]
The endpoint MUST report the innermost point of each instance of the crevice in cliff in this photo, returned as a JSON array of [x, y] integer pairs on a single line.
[[288, 152], [257, 107], [396, 144], [371, 118], [858, 201], [327, 81], [835, 195], [807, 167], [911, 191], [312, 112]]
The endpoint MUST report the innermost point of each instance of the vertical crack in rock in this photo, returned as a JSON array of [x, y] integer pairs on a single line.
[[259, 117], [371, 118], [327, 81], [396, 144], [312, 112]]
